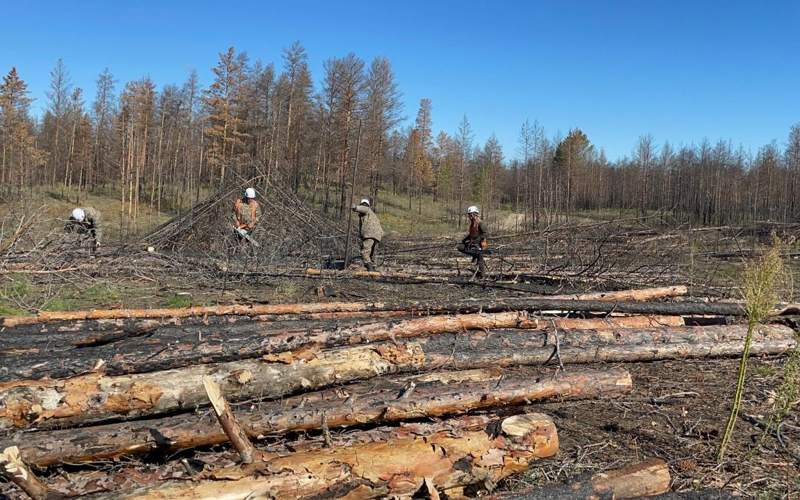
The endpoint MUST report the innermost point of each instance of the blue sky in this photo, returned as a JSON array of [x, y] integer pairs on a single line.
[[679, 70]]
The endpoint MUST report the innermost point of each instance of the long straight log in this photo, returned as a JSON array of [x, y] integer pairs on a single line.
[[418, 307], [377, 401], [642, 294], [95, 397], [431, 307], [235, 309], [643, 479], [143, 350], [469, 452]]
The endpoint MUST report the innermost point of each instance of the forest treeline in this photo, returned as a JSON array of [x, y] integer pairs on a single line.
[[165, 148]]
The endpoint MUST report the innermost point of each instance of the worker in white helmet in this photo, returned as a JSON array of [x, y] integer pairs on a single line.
[[370, 231], [85, 222], [246, 213], [474, 243]]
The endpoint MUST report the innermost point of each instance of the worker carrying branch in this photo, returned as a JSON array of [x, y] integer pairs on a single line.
[[85, 222], [246, 212], [474, 243], [370, 231]]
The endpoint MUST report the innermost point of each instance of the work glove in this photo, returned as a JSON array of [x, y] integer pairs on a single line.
[[241, 231]]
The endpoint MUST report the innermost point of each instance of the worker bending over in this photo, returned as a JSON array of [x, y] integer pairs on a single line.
[[370, 231], [474, 243], [246, 212], [85, 222]]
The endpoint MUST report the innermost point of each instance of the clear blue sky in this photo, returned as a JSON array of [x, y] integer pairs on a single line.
[[679, 70]]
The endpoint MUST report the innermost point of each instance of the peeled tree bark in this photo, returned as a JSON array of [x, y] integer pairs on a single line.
[[630, 295], [95, 397], [16, 471], [471, 450], [376, 401], [235, 309], [310, 308], [147, 348], [412, 308]]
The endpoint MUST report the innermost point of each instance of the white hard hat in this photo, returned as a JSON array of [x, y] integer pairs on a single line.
[[78, 214], [473, 210], [249, 193], [365, 201]]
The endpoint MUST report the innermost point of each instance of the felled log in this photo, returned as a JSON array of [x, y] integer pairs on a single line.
[[643, 479], [146, 348], [473, 450], [467, 306], [95, 397], [377, 401], [235, 309], [630, 295]]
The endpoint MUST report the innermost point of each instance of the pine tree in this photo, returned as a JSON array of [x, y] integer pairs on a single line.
[[19, 154], [223, 101]]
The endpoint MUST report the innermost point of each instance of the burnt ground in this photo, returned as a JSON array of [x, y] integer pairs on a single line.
[[677, 412]]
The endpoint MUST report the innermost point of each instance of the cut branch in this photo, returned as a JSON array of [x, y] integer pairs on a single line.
[[233, 430], [14, 469]]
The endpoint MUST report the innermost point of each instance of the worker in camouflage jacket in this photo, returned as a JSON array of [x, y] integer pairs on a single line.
[[370, 231], [475, 242], [246, 212], [85, 223]]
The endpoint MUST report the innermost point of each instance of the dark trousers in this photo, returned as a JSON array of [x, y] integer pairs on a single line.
[[474, 251]]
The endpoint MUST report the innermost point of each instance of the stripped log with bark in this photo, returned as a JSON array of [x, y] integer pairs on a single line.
[[310, 308], [419, 308], [643, 479], [235, 309], [383, 400], [643, 294], [96, 397], [399, 462], [150, 348]]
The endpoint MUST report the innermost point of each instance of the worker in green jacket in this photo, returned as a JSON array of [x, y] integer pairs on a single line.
[[86, 223], [370, 231]]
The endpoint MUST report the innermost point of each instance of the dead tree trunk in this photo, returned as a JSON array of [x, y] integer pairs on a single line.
[[529, 304], [398, 462], [630, 295], [95, 397], [148, 348], [373, 402]]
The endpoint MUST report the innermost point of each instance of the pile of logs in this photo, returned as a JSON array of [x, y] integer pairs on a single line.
[[356, 400]]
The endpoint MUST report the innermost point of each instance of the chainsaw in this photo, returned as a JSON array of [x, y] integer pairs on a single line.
[[243, 233]]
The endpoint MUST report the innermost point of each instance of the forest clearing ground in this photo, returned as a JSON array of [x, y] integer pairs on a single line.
[[676, 411]]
